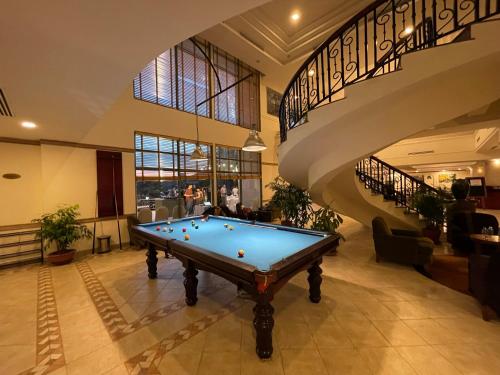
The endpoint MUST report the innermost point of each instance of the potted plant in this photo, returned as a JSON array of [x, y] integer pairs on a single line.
[[327, 220], [431, 206], [61, 228], [294, 203]]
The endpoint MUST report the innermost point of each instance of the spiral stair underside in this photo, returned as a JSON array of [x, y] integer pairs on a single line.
[[432, 86]]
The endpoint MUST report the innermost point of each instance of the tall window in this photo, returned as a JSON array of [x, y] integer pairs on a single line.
[[241, 170], [164, 170], [182, 77]]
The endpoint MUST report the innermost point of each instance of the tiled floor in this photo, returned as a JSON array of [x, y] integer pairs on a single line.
[[103, 316]]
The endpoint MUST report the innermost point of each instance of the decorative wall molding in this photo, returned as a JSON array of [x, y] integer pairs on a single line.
[[53, 142]]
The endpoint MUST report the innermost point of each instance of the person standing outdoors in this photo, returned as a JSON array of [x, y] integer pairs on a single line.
[[223, 195], [189, 200]]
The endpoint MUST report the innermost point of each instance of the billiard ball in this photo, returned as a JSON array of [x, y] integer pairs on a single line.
[[196, 227], [164, 229], [192, 223], [226, 225], [186, 237], [168, 222], [231, 227], [241, 253], [170, 230], [158, 228], [184, 230]]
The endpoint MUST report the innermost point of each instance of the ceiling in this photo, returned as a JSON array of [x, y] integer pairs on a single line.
[[267, 38], [64, 63]]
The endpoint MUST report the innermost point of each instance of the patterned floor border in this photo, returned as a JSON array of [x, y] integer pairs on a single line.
[[148, 361], [49, 348], [110, 314], [106, 307]]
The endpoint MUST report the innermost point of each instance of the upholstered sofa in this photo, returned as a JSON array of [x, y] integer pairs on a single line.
[[400, 245]]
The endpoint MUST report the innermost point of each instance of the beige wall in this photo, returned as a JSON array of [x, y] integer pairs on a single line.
[[492, 172], [21, 198], [54, 175]]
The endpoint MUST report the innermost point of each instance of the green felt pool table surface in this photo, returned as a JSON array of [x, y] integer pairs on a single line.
[[263, 244]]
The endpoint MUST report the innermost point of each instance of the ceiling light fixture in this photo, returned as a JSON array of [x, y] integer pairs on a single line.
[[496, 162], [254, 142], [311, 72], [198, 154], [28, 125], [295, 16]]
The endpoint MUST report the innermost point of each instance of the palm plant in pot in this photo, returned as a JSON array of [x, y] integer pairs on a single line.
[[327, 220], [294, 203], [431, 206], [63, 229]]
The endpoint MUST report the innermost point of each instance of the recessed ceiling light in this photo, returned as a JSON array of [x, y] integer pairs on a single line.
[[28, 125], [295, 16]]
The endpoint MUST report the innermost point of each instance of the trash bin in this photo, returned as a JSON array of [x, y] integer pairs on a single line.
[[103, 244]]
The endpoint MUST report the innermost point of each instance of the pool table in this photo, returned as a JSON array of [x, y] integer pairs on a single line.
[[272, 255]]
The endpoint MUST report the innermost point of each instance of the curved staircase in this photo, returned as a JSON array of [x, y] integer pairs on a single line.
[[395, 69]]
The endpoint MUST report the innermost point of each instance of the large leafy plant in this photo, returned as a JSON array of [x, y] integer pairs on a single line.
[[62, 228], [326, 220], [431, 206], [294, 203]]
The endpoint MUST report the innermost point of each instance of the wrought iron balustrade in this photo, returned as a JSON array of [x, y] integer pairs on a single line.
[[371, 44], [392, 183]]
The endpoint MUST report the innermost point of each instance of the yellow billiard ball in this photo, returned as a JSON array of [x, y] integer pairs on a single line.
[[241, 253], [226, 225], [231, 227], [186, 237]]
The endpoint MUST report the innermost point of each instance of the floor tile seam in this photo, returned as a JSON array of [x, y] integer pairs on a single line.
[[438, 352]]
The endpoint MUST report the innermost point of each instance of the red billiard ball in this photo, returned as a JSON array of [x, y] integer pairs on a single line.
[[158, 227], [184, 230], [241, 253]]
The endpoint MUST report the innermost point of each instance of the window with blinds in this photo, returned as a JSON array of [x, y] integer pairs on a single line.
[[182, 76], [158, 158], [178, 78]]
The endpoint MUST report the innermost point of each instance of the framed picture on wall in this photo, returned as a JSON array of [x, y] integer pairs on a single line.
[[273, 101], [429, 180]]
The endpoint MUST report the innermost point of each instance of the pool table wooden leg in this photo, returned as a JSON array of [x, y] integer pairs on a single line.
[[190, 283], [151, 261], [264, 323], [315, 282]]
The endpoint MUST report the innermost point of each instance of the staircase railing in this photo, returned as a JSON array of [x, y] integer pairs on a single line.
[[371, 44], [392, 183]]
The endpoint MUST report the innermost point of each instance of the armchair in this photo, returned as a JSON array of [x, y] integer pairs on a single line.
[[400, 245]]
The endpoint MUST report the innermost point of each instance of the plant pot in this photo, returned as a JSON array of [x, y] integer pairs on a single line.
[[287, 223], [333, 251], [60, 257], [433, 233]]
